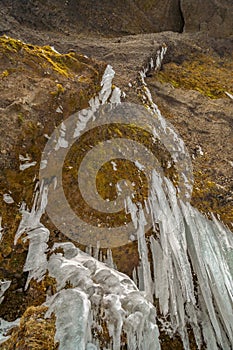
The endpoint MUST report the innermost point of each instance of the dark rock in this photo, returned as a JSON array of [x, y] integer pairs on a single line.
[[121, 17], [211, 16]]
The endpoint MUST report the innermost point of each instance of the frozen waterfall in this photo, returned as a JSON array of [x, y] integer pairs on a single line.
[[191, 279], [185, 271]]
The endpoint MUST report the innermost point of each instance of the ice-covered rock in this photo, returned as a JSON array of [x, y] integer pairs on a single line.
[[4, 285], [98, 297], [37, 233]]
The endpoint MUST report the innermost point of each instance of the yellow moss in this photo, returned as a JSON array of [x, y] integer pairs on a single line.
[[48, 70], [4, 74], [66, 65], [11, 44], [20, 118], [209, 198], [34, 332], [82, 79], [201, 73], [60, 90]]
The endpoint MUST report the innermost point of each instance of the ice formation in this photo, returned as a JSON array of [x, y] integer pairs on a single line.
[[191, 279], [188, 245], [229, 95], [1, 229], [38, 235], [5, 327], [4, 285], [61, 141], [191, 245], [98, 296], [25, 164], [106, 84], [87, 114], [164, 131], [7, 198]]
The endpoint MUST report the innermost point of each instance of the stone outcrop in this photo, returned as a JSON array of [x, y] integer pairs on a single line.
[[211, 16], [120, 18], [105, 17]]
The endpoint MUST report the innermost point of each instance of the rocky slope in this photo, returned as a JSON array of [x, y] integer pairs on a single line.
[[40, 87]]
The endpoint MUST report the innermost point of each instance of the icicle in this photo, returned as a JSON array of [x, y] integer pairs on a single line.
[[26, 165], [186, 234], [87, 114], [5, 327], [7, 198], [212, 267], [106, 84], [139, 220], [38, 235], [164, 131], [1, 229], [116, 96], [36, 262], [109, 260], [229, 95], [4, 285], [109, 292], [61, 142], [72, 310]]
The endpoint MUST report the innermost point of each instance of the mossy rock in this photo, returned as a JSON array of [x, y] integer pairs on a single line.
[[34, 82], [34, 332]]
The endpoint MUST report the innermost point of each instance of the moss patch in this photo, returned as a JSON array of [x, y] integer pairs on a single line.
[[209, 198], [209, 75], [43, 58], [34, 332]]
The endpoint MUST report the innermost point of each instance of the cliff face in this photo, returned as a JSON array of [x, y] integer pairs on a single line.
[[105, 17], [210, 16], [121, 18]]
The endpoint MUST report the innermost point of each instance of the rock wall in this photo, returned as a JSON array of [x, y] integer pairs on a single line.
[[211, 16], [121, 17]]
